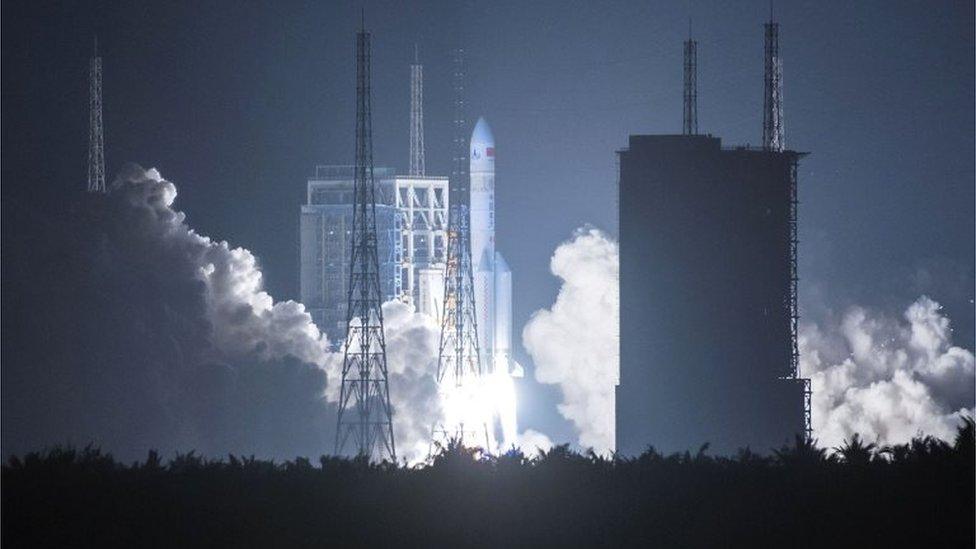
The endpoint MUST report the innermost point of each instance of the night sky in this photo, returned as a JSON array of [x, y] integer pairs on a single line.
[[237, 103]]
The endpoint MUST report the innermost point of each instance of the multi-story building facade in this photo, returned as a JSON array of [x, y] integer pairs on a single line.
[[411, 225]]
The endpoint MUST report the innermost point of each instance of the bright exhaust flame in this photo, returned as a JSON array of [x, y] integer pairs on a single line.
[[501, 390], [481, 411]]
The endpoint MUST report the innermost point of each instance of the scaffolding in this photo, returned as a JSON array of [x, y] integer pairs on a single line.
[[422, 205]]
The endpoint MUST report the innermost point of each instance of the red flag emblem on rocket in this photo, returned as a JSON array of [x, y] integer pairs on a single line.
[[490, 151]]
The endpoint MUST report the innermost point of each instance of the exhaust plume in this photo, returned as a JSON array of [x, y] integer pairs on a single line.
[[574, 343], [887, 379]]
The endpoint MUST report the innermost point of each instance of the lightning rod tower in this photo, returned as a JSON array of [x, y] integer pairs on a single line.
[[417, 116], [459, 172], [459, 357], [772, 89], [365, 413], [96, 146], [690, 126]]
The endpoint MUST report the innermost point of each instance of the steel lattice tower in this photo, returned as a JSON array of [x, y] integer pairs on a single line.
[[459, 357], [365, 412], [417, 162], [96, 146], [773, 91], [792, 304], [459, 170], [690, 126], [459, 353]]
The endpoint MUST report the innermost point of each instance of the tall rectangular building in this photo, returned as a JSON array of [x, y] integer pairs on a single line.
[[326, 232], [707, 280]]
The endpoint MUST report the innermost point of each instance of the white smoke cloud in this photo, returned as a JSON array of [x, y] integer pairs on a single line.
[[246, 321], [574, 343], [532, 442], [150, 335], [411, 348], [886, 379]]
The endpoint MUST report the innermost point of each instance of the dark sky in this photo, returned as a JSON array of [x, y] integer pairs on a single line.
[[237, 102]]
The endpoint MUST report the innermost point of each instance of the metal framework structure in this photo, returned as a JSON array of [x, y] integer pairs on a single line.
[[96, 145], [422, 217], [458, 350], [459, 356], [459, 170], [773, 91], [774, 140], [690, 126], [365, 413], [417, 161], [398, 259], [793, 297]]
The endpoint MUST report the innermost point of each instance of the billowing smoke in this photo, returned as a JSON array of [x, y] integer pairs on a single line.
[[132, 331], [574, 343], [127, 329], [532, 442], [411, 349], [887, 379]]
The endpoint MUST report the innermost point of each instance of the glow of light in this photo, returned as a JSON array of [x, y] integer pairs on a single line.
[[479, 408]]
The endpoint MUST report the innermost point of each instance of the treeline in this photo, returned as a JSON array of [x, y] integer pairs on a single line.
[[801, 495]]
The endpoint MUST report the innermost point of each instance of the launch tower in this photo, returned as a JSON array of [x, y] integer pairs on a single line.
[[459, 358], [96, 145], [365, 413], [691, 85], [772, 90], [417, 157], [459, 170]]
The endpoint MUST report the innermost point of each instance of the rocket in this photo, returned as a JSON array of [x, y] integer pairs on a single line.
[[492, 283], [482, 230]]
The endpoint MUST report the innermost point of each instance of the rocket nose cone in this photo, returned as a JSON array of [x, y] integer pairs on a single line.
[[482, 133], [482, 148]]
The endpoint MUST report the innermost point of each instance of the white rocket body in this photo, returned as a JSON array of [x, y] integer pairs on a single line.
[[482, 227], [492, 287]]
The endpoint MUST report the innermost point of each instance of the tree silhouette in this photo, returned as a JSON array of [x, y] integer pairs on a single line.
[[855, 452], [915, 493]]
